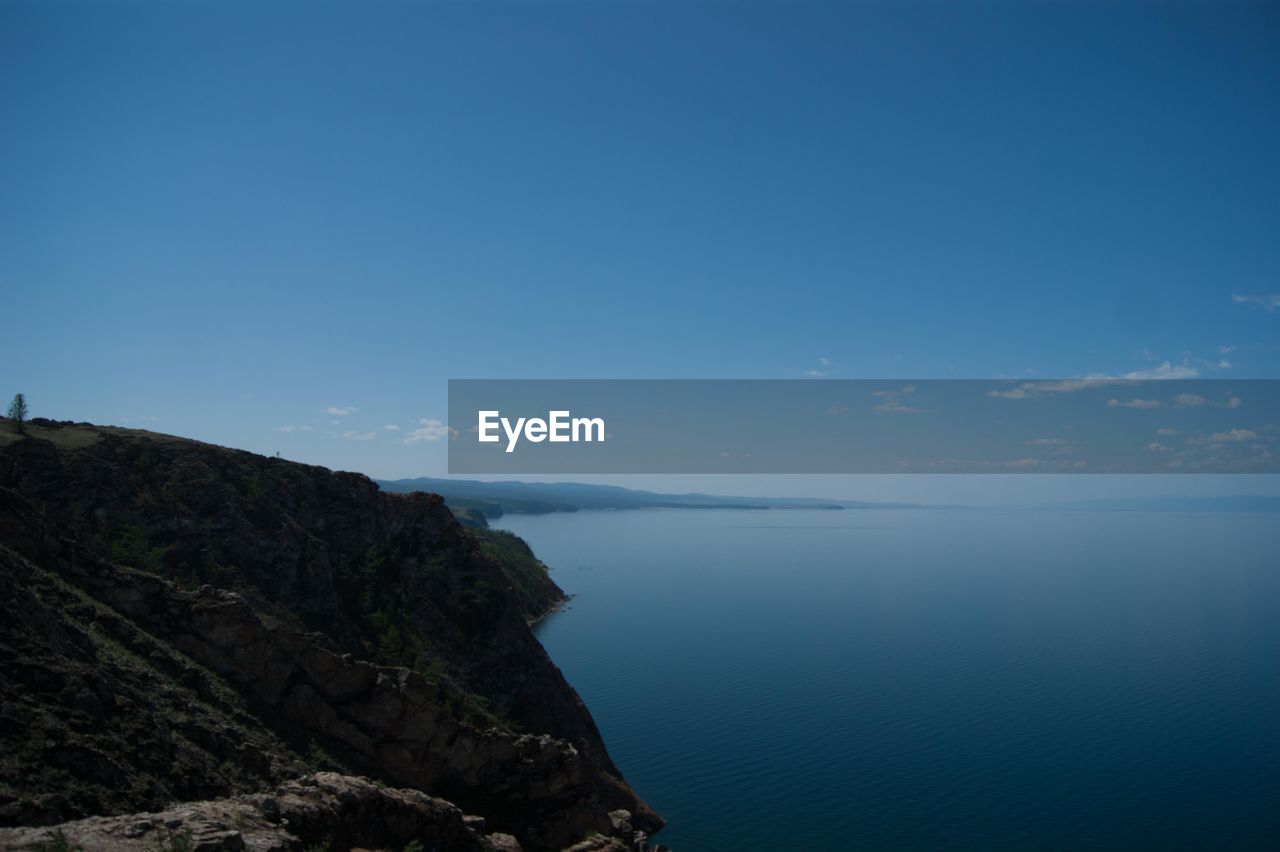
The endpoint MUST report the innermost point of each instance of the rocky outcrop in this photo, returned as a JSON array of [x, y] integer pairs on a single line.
[[247, 690], [321, 811], [98, 716], [390, 578]]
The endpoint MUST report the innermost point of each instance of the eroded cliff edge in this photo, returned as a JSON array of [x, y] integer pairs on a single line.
[[191, 622]]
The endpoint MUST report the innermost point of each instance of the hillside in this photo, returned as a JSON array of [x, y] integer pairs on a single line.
[[197, 622]]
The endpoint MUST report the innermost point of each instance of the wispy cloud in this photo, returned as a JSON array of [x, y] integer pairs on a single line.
[[824, 362], [1165, 370], [893, 404], [391, 427], [1027, 390], [1056, 446], [1233, 436], [905, 391], [986, 465], [341, 411], [292, 429], [428, 430], [1268, 302], [1013, 393], [1031, 389], [359, 436], [1182, 400]]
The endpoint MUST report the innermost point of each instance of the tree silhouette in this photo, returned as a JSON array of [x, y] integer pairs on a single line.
[[18, 411]]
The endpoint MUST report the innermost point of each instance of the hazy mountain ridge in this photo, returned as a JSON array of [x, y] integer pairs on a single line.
[[492, 499]]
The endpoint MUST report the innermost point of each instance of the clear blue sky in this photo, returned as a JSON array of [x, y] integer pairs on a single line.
[[233, 217]]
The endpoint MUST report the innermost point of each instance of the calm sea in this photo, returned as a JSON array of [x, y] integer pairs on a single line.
[[920, 679]]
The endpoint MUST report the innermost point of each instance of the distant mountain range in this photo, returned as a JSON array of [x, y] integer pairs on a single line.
[[493, 499]]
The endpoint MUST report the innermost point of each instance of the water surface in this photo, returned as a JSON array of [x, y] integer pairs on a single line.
[[929, 679]]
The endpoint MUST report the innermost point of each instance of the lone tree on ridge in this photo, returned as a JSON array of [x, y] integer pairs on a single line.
[[18, 412]]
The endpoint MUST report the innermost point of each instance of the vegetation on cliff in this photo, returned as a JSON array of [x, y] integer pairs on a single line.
[[200, 622]]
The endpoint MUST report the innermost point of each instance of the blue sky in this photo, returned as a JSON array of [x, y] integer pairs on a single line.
[[234, 218]]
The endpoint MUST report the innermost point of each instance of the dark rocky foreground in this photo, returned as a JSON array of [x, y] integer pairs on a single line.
[[324, 810], [192, 631]]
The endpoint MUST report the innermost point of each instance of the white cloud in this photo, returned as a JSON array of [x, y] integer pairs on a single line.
[[1134, 403], [340, 411], [1071, 385], [1224, 364], [815, 374], [1058, 446], [391, 427], [985, 465], [890, 394], [1269, 302], [1232, 402], [1031, 389], [895, 407], [1157, 447], [1189, 400], [359, 436], [428, 430], [892, 405], [1166, 431], [826, 362], [1234, 436], [292, 429], [1227, 350], [1164, 371]]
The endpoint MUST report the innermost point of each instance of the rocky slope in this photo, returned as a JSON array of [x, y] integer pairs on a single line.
[[318, 810], [196, 622]]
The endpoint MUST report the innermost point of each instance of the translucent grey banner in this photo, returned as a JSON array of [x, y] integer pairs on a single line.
[[1093, 425]]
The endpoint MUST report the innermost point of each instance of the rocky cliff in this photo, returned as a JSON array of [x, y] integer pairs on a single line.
[[193, 622]]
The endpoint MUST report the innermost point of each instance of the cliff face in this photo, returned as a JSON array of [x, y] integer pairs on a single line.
[[247, 619]]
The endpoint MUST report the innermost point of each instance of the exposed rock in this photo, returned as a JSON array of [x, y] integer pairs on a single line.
[[325, 810], [148, 690], [97, 716]]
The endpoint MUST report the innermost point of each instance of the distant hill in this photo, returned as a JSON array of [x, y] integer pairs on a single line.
[[494, 498], [473, 500]]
